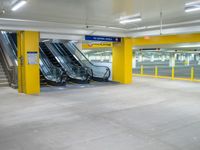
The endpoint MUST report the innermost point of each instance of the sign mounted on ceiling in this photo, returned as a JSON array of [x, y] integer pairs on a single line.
[[102, 38], [97, 45]]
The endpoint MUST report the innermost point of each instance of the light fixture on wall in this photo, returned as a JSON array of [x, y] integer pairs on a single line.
[[130, 19], [192, 6], [18, 5]]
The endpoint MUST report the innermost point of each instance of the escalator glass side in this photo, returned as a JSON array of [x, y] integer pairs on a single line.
[[75, 73], [51, 74], [100, 73]]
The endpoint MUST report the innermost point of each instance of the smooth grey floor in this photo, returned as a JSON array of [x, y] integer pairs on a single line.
[[150, 114]]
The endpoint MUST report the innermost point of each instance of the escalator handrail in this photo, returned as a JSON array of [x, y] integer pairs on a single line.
[[12, 44], [69, 66], [76, 66], [87, 71], [9, 64], [107, 68], [50, 66], [87, 58], [11, 70]]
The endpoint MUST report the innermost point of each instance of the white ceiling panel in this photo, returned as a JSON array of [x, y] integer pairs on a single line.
[[101, 12]]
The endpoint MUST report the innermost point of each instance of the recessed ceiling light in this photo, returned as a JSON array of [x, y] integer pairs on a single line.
[[45, 41], [18, 5], [192, 3], [126, 21], [130, 19]]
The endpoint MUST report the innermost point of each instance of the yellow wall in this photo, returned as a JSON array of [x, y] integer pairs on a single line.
[[169, 39], [28, 74], [122, 61]]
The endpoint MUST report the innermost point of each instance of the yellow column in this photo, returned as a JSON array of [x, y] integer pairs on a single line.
[[192, 74], [173, 73], [122, 61], [142, 70], [28, 62], [156, 71]]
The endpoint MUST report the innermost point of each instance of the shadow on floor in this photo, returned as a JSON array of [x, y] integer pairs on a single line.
[[71, 86]]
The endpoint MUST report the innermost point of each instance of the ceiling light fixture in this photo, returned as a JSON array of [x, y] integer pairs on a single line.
[[192, 6], [130, 19], [190, 46], [126, 21], [45, 41], [18, 5]]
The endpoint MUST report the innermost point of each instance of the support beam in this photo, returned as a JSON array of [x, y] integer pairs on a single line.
[[28, 62], [122, 61], [164, 40]]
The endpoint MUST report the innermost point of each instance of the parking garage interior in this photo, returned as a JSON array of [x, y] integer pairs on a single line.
[[99, 75]]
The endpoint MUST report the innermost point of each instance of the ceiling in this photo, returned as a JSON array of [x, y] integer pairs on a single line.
[[79, 13]]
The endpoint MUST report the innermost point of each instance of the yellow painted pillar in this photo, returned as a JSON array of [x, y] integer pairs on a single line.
[[142, 70], [192, 74], [28, 62], [122, 61], [173, 73], [156, 71]]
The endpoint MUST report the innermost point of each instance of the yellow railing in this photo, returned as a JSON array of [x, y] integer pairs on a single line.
[[172, 77]]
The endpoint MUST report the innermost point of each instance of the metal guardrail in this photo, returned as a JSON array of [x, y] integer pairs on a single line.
[[173, 76]]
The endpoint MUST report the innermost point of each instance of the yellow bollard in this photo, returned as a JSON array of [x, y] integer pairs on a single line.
[[156, 71], [142, 70], [173, 73], [192, 73]]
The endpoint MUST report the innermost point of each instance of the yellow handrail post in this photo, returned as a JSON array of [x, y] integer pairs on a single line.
[[156, 71], [142, 70], [173, 73], [192, 73]]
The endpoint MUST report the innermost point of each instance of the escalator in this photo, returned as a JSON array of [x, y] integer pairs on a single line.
[[72, 58], [99, 73], [76, 73], [49, 74], [8, 59]]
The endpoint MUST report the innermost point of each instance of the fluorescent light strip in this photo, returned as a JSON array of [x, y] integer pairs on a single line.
[[45, 40], [192, 3], [192, 9], [189, 46], [18, 5], [130, 20]]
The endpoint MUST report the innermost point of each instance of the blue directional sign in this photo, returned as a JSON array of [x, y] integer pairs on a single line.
[[102, 38]]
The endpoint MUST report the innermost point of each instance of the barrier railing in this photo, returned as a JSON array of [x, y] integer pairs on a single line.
[[173, 73]]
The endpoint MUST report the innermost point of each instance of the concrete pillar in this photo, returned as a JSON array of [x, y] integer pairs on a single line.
[[172, 60], [134, 64], [187, 60], [140, 58], [163, 57], [110, 58], [152, 58], [102, 57]]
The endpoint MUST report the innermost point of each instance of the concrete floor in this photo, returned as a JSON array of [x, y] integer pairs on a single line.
[[150, 114]]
